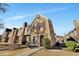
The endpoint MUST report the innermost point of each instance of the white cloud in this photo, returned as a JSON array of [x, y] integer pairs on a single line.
[[55, 10], [17, 17]]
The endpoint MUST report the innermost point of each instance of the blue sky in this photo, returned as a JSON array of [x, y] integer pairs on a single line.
[[61, 15]]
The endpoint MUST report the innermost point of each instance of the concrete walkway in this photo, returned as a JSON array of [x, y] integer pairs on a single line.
[[30, 52], [19, 52]]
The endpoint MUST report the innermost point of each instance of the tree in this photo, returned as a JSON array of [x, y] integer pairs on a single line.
[[1, 24], [3, 9]]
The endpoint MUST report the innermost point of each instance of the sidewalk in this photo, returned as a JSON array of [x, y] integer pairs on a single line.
[[30, 52]]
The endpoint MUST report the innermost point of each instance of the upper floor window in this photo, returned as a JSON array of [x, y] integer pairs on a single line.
[[38, 27], [42, 25]]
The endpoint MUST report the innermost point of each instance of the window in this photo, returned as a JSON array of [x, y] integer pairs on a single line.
[[34, 40], [38, 27], [42, 25], [35, 25]]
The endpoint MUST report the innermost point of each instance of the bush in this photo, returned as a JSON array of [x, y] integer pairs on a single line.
[[71, 45], [77, 45], [46, 43]]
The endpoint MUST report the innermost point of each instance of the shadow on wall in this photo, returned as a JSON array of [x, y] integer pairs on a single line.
[[72, 39]]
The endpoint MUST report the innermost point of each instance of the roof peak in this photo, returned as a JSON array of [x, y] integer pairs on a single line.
[[42, 16]]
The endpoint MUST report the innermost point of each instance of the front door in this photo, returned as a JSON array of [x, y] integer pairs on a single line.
[[41, 39], [24, 40]]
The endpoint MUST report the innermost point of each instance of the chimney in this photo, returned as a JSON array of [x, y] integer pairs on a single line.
[[25, 24]]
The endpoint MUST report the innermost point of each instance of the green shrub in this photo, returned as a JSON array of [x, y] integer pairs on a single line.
[[46, 43], [77, 45], [71, 45]]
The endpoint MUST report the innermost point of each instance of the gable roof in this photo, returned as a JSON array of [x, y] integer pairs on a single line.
[[37, 17]]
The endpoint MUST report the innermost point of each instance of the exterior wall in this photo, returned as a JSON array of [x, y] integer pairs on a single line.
[[48, 30], [12, 36], [15, 34], [59, 39], [36, 30], [5, 35], [40, 28], [0, 38], [22, 33], [73, 34]]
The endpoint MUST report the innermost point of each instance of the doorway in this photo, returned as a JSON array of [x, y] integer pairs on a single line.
[[24, 40], [41, 39]]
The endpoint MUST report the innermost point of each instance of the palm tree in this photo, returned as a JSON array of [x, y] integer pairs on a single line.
[[3, 9]]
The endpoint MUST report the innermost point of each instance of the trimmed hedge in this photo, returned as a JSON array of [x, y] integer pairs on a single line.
[[71, 45], [46, 43]]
